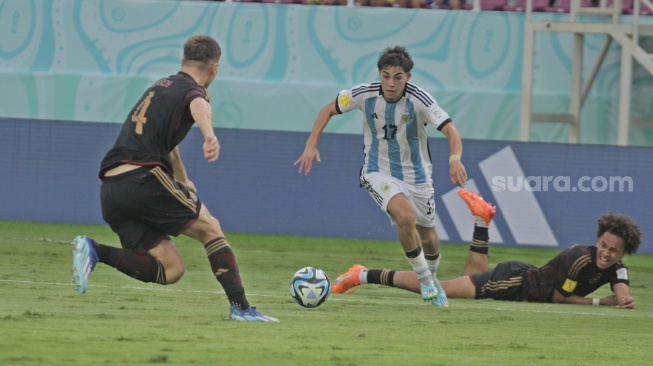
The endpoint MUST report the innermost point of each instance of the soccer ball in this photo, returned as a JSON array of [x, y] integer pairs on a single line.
[[310, 287]]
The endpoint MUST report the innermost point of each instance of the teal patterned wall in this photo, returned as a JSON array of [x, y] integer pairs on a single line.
[[90, 61]]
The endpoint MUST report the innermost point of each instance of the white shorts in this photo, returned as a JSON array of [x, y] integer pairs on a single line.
[[383, 187]]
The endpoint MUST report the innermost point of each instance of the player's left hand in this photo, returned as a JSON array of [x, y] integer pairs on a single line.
[[625, 302], [458, 173]]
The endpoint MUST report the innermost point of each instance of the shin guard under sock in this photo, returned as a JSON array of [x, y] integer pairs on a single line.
[[225, 269], [480, 240], [381, 276], [142, 267]]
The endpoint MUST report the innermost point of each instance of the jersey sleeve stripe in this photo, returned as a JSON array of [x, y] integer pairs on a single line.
[[578, 265], [338, 105], [446, 122], [422, 96], [374, 87]]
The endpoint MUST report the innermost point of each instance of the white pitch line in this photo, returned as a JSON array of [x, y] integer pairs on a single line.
[[331, 298]]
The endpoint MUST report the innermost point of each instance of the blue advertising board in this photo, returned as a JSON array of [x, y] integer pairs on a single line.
[[547, 194]]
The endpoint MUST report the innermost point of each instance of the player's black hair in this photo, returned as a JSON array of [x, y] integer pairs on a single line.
[[395, 56], [623, 227]]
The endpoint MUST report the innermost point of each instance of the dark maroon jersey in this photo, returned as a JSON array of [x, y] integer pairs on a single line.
[[571, 272], [156, 125]]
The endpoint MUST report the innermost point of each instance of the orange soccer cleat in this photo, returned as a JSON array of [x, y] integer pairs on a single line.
[[348, 280], [477, 205]]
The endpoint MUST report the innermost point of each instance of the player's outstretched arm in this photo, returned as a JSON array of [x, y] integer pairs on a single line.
[[626, 303], [310, 152], [559, 298], [202, 113]]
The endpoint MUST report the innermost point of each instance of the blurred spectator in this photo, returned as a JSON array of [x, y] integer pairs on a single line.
[[419, 4], [325, 2], [450, 4], [415, 3], [393, 3]]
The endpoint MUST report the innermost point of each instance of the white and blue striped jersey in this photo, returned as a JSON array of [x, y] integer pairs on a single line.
[[395, 133]]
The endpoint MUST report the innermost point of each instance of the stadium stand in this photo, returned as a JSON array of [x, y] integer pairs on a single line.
[[520, 5], [281, 1], [488, 5], [643, 10], [564, 6], [552, 6]]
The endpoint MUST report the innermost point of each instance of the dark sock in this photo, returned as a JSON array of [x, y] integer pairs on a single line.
[[480, 240], [432, 257], [381, 276], [225, 269], [142, 267], [106, 254], [414, 253]]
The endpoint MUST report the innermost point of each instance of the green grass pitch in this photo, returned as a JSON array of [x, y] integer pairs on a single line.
[[121, 321]]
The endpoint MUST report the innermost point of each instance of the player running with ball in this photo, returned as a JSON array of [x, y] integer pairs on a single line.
[[397, 168]]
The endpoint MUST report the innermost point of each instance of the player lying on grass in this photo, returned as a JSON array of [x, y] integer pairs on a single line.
[[566, 279]]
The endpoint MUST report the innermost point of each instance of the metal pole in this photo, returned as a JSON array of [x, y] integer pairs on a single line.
[[527, 77]]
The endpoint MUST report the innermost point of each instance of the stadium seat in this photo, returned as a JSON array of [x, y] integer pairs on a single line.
[[564, 6], [488, 4], [626, 5], [643, 9], [520, 5], [321, 2]]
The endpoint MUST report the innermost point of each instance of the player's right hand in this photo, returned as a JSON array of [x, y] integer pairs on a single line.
[[211, 149], [306, 160]]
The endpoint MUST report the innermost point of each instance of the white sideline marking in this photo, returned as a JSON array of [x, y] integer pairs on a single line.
[[331, 298]]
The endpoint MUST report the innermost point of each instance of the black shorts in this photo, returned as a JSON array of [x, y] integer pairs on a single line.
[[503, 282], [145, 205]]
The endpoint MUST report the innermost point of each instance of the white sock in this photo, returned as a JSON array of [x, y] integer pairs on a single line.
[[433, 265], [420, 267], [362, 276], [478, 221]]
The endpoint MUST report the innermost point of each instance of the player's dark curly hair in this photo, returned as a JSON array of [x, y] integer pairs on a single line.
[[623, 227], [395, 56], [201, 49]]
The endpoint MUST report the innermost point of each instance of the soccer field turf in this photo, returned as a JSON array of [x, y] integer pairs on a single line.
[[123, 321]]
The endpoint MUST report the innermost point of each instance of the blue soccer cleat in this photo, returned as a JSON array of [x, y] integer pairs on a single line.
[[429, 293], [249, 315], [441, 298], [84, 260]]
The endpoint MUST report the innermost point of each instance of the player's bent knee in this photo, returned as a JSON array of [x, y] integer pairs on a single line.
[[429, 240], [171, 262], [205, 228], [405, 219], [174, 274]]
